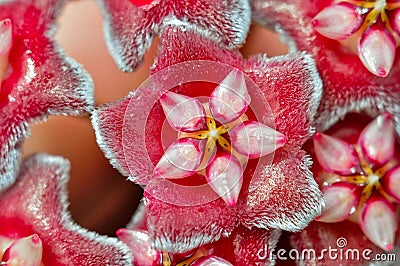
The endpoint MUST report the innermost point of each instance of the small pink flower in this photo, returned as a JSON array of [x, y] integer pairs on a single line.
[[182, 218], [36, 228], [357, 167], [37, 78], [131, 25], [360, 73]]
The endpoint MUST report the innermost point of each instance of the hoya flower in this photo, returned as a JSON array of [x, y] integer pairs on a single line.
[[243, 247], [354, 44], [357, 166], [36, 228], [277, 191], [131, 25], [37, 79]]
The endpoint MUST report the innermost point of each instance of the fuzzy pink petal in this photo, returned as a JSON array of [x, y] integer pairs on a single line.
[[377, 140], [108, 121], [225, 176], [178, 229], [338, 21], [140, 244], [230, 99], [340, 200], [377, 49], [43, 80], [130, 29], [255, 139], [183, 113], [292, 87], [37, 203], [335, 155], [348, 85], [287, 178], [181, 159], [378, 222]]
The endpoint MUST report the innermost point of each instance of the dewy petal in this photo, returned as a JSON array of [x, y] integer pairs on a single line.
[[25, 251], [288, 177], [379, 223], [377, 140], [183, 113], [391, 183], [255, 139], [5, 36], [140, 244], [130, 29], [181, 159], [41, 187], [211, 261], [230, 98], [335, 155], [340, 199], [377, 49], [225, 176], [338, 21], [42, 80]]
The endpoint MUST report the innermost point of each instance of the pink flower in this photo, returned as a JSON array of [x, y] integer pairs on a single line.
[[352, 69], [130, 26], [35, 226], [357, 167], [37, 79], [182, 218]]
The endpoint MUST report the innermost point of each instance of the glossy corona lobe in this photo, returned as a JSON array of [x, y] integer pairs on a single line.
[[25, 251], [378, 222], [335, 155], [377, 49], [5, 36], [230, 99], [391, 183], [337, 21]]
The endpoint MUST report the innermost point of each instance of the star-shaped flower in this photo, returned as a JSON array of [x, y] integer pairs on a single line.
[[37, 79], [183, 217], [354, 44], [357, 167], [35, 226], [131, 25]]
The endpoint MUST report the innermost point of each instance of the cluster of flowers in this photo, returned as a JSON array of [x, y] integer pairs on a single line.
[[225, 162]]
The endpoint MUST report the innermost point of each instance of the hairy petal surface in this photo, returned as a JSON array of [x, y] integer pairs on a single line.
[[130, 29], [37, 203], [42, 80]]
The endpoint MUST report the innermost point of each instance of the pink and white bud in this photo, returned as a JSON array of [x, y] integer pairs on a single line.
[[254, 139], [230, 99], [335, 155], [183, 113], [225, 176], [391, 183], [338, 21], [376, 49], [25, 251], [340, 201], [377, 140], [378, 222], [5, 36], [211, 261], [140, 244], [181, 159]]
